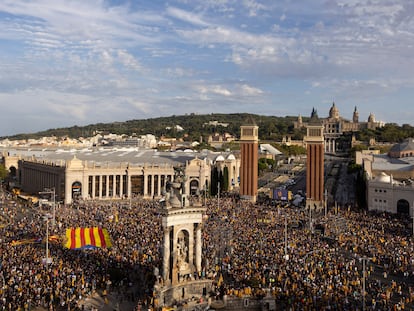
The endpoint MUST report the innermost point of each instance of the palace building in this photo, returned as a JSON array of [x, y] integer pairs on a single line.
[[111, 173], [334, 126]]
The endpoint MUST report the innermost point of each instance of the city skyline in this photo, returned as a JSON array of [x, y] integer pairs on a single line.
[[67, 63]]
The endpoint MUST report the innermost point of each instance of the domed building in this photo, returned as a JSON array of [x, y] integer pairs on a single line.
[[335, 126], [115, 173], [390, 178], [404, 149], [384, 194]]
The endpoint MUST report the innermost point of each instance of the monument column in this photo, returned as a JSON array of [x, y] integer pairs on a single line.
[[198, 248], [166, 260]]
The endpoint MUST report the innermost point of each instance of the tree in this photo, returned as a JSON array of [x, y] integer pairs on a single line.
[[214, 181], [225, 179], [3, 172]]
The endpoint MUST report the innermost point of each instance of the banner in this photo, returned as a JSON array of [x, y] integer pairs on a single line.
[[25, 241], [282, 194], [93, 237]]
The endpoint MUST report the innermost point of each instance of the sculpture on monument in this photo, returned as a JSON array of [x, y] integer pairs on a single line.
[[174, 196], [182, 252]]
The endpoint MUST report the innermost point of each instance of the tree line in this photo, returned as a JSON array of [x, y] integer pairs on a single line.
[[198, 127]]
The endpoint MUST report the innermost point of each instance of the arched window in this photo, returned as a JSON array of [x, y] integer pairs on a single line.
[[76, 189], [403, 207]]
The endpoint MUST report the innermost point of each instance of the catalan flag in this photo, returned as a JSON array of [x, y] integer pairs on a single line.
[[93, 237]]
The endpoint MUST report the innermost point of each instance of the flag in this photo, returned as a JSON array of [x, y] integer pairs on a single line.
[[25, 241], [93, 237], [54, 238]]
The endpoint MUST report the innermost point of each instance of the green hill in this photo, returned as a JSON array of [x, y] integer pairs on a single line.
[[195, 126]]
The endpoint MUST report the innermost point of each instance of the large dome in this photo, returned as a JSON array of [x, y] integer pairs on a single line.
[[334, 112]]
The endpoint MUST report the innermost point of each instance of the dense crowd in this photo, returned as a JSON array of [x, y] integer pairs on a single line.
[[73, 275], [276, 249], [250, 250]]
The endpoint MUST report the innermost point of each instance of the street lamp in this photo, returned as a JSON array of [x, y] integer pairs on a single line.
[[364, 261], [52, 192], [286, 244], [218, 195], [47, 259]]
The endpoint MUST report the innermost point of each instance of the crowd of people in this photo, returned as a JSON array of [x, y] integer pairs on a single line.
[[276, 249], [249, 250], [73, 275]]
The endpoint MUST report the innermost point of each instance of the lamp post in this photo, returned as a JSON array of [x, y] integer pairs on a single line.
[[364, 261], [310, 218], [52, 192], [218, 196], [47, 260], [286, 243]]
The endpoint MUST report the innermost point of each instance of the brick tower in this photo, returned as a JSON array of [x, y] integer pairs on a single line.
[[315, 162], [249, 138]]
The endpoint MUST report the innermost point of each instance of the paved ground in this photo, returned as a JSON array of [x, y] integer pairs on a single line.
[[97, 303]]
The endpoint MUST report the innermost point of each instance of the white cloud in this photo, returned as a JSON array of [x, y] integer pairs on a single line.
[[173, 57], [247, 90], [186, 16], [128, 60]]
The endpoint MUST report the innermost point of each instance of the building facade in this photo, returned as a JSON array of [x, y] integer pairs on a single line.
[[389, 178], [116, 173], [384, 194], [335, 126]]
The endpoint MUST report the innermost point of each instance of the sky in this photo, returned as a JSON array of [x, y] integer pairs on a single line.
[[77, 62]]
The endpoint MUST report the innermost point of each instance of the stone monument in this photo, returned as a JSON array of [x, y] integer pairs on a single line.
[[182, 221]]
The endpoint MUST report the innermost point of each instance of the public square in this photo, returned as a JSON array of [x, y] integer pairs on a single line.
[[249, 250]]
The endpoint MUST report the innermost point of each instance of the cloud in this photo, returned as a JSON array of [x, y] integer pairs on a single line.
[[128, 60], [83, 61], [186, 16], [247, 90]]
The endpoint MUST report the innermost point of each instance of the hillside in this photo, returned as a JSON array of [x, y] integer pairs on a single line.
[[195, 126]]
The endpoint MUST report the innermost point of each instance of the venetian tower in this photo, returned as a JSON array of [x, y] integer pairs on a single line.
[[182, 221], [314, 141], [249, 139]]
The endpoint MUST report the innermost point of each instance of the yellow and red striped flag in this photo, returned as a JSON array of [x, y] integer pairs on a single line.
[[77, 238]]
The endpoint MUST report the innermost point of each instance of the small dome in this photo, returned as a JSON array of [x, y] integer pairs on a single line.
[[220, 158], [231, 157], [384, 178]]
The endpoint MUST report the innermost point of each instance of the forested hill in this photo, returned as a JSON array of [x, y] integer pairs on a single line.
[[194, 126]]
